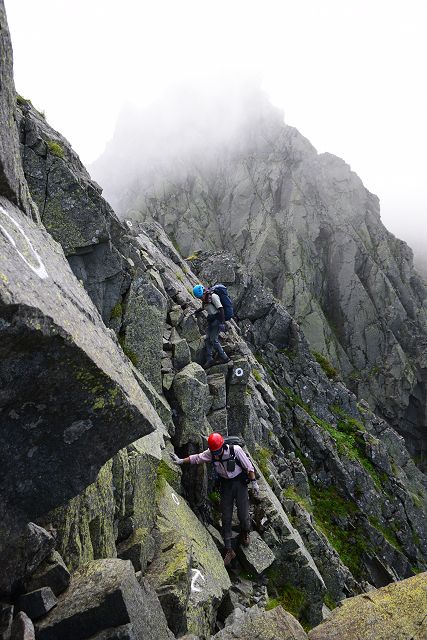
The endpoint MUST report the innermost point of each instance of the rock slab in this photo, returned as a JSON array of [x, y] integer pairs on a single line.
[[102, 595], [72, 398], [276, 624], [257, 557], [37, 603], [395, 612]]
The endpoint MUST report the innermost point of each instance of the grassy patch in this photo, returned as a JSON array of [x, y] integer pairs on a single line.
[[291, 494], [329, 601], [55, 148], [291, 599], [329, 370], [22, 101], [347, 434], [215, 498], [261, 457], [257, 374], [387, 532], [328, 504], [288, 353], [193, 256]]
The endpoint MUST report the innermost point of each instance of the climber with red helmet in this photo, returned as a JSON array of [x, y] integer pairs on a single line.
[[233, 467]]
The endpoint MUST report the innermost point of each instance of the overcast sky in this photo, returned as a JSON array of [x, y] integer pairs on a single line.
[[349, 74]]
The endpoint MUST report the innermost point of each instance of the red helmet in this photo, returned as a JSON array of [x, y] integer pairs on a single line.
[[215, 441]]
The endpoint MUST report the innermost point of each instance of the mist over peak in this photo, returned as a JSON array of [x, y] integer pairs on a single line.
[[190, 123]]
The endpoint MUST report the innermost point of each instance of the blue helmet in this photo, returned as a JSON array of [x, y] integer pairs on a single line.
[[198, 290]]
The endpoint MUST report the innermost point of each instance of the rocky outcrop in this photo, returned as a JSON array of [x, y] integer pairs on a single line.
[[104, 595], [187, 573], [263, 625], [396, 612], [70, 398], [13, 185], [307, 227]]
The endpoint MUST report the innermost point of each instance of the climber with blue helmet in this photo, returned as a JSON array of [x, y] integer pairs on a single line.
[[216, 323]]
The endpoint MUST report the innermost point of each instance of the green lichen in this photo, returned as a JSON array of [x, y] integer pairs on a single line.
[[116, 311], [257, 374], [165, 474], [99, 403], [55, 148], [60, 225], [4, 278], [329, 370], [261, 457], [127, 351]]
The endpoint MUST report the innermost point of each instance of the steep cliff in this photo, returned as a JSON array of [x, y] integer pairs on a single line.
[[305, 225], [101, 379], [342, 503]]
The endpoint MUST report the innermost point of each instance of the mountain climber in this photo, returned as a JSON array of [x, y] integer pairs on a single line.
[[216, 323], [233, 468]]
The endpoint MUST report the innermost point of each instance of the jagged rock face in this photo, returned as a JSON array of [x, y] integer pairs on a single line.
[[69, 397], [12, 182], [142, 287], [306, 225]]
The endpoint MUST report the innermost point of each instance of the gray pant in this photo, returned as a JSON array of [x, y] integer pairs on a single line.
[[212, 340], [234, 490]]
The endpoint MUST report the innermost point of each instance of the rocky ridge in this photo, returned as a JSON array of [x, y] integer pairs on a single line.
[[342, 506], [307, 227]]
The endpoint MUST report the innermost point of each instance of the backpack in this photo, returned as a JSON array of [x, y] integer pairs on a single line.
[[231, 441], [221, 291]]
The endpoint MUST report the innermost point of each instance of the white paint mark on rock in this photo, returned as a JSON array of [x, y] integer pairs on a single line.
[[40, 270], [175, 499], [196, 579], [129, 223], [239, 372]]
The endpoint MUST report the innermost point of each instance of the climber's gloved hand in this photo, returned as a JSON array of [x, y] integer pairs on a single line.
[[222, 328], [175, 459], [254, 487]]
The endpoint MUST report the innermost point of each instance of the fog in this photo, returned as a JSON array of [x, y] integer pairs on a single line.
[[349, 75]]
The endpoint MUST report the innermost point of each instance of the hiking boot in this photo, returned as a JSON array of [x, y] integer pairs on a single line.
[[245, 539], [209, 363], [229, 557], [224, 359]]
